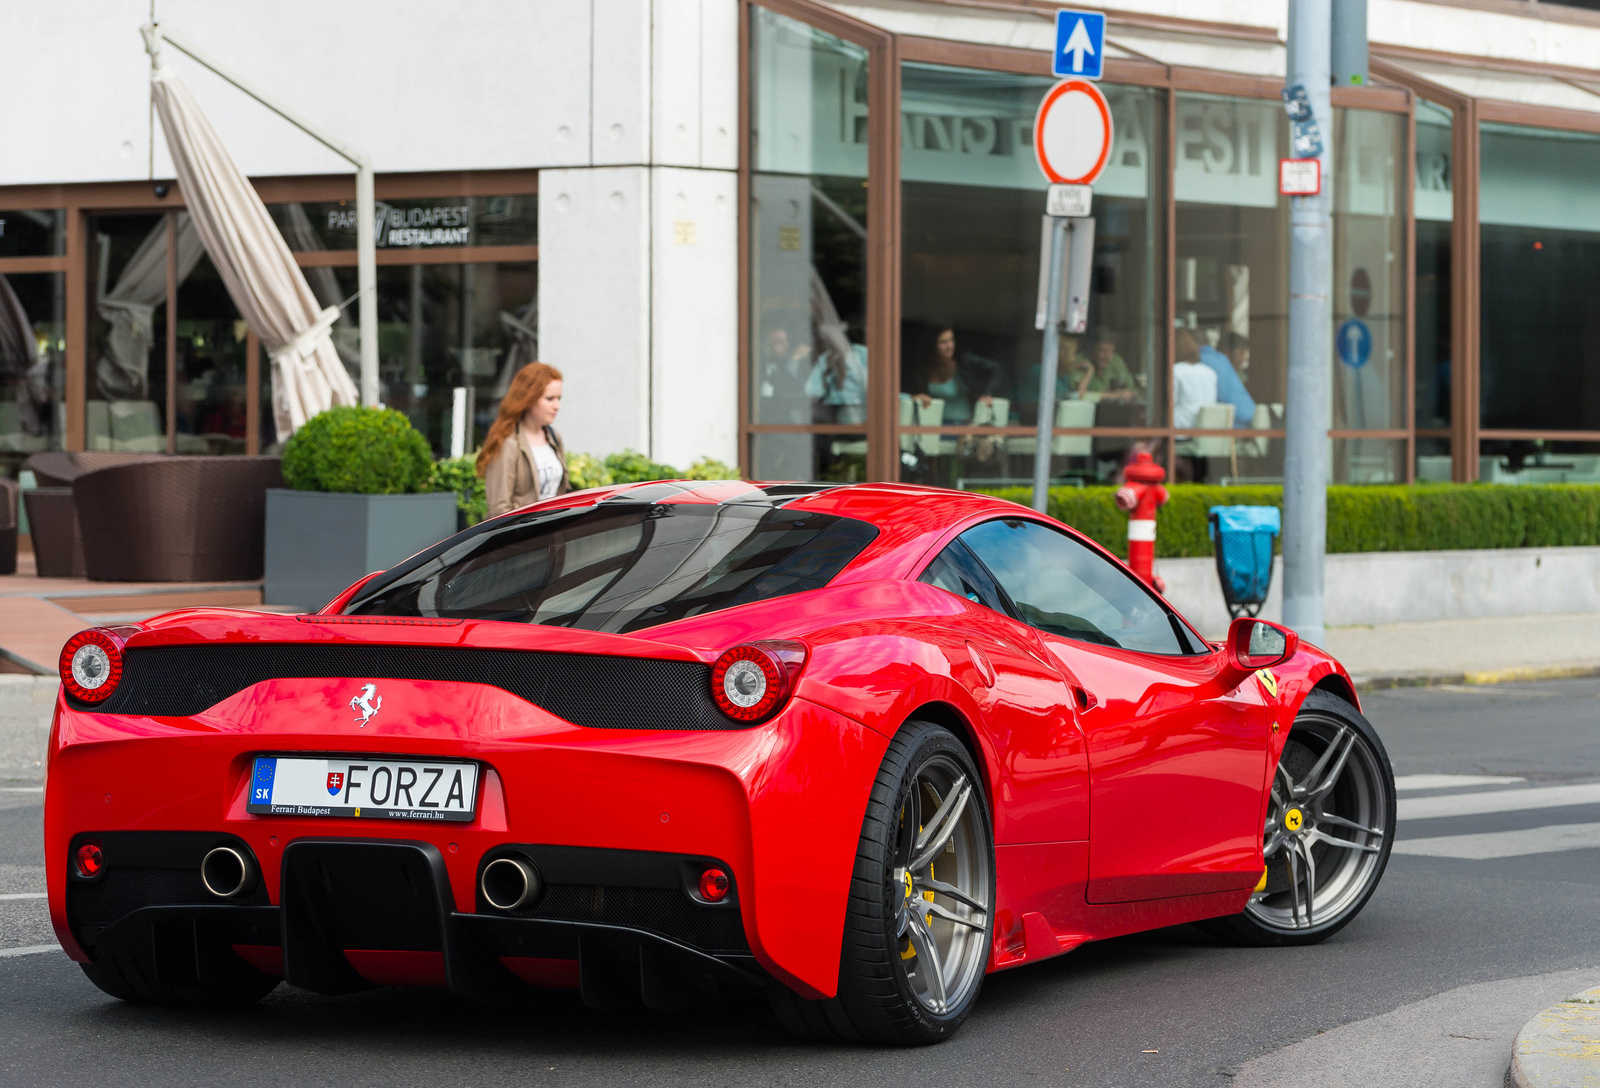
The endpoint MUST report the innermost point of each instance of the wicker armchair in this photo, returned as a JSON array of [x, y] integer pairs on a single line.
[[176, 519], [53, 525], [57, 468]]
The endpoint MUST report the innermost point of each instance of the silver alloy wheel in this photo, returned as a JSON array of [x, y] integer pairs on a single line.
[[1326, 825], [941, 883]]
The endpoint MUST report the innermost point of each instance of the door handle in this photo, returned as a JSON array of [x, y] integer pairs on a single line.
[[1085, 697]]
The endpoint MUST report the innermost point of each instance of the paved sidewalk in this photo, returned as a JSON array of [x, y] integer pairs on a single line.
[[1485, 651], [1560, 1048]]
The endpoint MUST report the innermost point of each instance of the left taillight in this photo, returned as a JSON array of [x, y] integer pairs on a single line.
[[91, 665], [750, 683]]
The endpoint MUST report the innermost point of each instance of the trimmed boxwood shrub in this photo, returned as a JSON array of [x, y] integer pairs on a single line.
[[1368, 518], [365, 451]]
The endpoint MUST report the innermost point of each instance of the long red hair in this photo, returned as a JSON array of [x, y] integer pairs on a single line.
[[526, 389]]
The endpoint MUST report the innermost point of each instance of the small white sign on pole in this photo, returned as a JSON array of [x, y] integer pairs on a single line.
[[1299, 177], [1070, 200]]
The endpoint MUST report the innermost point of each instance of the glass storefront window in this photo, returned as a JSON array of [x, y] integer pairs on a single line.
[[126, 384], [32, 377], [972, 216], [1231, 289], [839, 458], [1435, 209], [1540, 245], [31, 233], [211, 402], [412, 224], [1539, 462], [808, 225], [1369, 271], [441, 328]]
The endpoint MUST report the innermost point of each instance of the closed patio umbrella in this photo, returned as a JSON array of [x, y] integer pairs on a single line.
[[254, 262]]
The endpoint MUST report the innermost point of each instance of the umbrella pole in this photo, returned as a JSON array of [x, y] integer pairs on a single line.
[[367, 281]]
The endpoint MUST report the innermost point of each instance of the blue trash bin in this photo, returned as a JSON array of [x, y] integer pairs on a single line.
[[1242, 537]]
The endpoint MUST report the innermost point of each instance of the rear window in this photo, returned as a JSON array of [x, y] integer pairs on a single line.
[[619, 566]]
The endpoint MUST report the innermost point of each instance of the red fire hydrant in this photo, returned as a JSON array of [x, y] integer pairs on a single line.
[[1139, 496]]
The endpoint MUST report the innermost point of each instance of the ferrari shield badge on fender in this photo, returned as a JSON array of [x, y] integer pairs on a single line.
[[369, 702], [1268, 681]]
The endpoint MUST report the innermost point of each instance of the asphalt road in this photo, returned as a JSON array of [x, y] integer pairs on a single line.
[[1426, 987]]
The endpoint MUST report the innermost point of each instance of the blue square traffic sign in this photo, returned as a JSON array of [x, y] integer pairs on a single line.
[[1080, 43]]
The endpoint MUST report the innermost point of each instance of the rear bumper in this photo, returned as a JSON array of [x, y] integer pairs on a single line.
[[361, 913], [780, 805]]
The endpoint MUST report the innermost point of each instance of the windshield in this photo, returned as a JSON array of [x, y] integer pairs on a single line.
[[619, 566]]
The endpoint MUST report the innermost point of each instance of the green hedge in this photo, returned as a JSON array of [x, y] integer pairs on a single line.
[[1426, 517]]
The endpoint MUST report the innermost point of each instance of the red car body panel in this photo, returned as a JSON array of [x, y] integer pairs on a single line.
[[1127, 791]]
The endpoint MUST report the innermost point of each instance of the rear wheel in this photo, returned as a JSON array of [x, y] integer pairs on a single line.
[[916, 935], [1330, 825]]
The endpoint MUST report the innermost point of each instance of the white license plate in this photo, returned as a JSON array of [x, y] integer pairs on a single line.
[[391, 789]]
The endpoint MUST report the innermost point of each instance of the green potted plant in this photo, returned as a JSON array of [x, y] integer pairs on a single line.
[[360, 498]]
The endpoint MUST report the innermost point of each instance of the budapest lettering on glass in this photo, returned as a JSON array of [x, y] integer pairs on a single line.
[[397, 228]]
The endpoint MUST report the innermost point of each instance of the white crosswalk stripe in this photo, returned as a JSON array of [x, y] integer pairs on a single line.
[[1481, 802], [1505, 844], [1472, 800]]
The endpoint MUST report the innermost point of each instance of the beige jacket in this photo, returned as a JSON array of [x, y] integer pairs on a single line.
[[511, 482]]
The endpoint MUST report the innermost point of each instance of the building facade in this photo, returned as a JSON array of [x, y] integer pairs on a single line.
[[805, 235]]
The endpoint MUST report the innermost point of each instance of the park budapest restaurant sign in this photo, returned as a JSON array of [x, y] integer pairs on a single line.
[[409, 227]]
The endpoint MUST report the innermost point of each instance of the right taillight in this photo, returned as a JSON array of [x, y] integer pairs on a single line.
[[88, 860], [750, 683], [91, 665]]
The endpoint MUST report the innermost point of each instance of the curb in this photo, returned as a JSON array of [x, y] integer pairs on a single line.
[[1492, 676], [1560, 1047]]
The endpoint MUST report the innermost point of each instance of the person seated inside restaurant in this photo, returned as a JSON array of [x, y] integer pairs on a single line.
[[961, 380], [785, 372], [1193, 383], [1230, 387], [1025, 390], [1104, 372]]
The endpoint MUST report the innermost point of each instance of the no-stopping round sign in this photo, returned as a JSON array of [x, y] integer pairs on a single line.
[[1072, 132]]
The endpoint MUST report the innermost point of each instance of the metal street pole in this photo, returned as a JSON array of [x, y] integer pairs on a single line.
[[1049, 364], [1305, 459], [366, 205]]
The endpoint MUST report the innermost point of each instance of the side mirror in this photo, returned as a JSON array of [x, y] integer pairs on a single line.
[[1256, 644]]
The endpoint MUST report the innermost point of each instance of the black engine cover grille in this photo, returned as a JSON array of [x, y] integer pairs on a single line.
[[593, 690]]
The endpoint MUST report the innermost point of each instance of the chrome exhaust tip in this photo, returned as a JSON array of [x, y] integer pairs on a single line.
[[509, 883], [227, 872]]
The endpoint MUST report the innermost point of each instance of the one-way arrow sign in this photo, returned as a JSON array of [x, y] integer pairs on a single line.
[[1080, 43]]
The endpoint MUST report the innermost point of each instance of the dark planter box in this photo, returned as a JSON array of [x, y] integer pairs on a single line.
[[319, 542]]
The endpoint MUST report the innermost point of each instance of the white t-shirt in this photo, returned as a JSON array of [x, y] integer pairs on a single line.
[[547, 466], [1193, 385]]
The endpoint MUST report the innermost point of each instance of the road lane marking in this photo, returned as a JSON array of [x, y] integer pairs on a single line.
[[29, 950], [1449, 781], [25, 895], [21, 789], [1476, 804], [1505, 844]]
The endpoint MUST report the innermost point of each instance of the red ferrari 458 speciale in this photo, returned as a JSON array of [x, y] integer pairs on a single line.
[[854, 746]]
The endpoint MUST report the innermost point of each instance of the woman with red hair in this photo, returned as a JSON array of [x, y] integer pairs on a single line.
[[522, 460]]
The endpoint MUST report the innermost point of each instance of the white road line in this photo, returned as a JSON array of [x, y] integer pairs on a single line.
[[25, 895], [1449, 781], [30, 950], [1474, 804], [1505, 844], [21, 789]]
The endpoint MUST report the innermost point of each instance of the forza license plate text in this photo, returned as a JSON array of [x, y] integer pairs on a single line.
[[394, 789]]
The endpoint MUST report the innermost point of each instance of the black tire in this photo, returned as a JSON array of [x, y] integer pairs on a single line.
[[1261, 924], [878, 999], [231, 983]]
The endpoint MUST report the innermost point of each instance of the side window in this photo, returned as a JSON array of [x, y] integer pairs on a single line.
[[956, 570], [1061, 587]]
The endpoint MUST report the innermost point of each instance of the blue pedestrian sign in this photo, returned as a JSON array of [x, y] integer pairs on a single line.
[[1080, 43], [1353, 342]]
